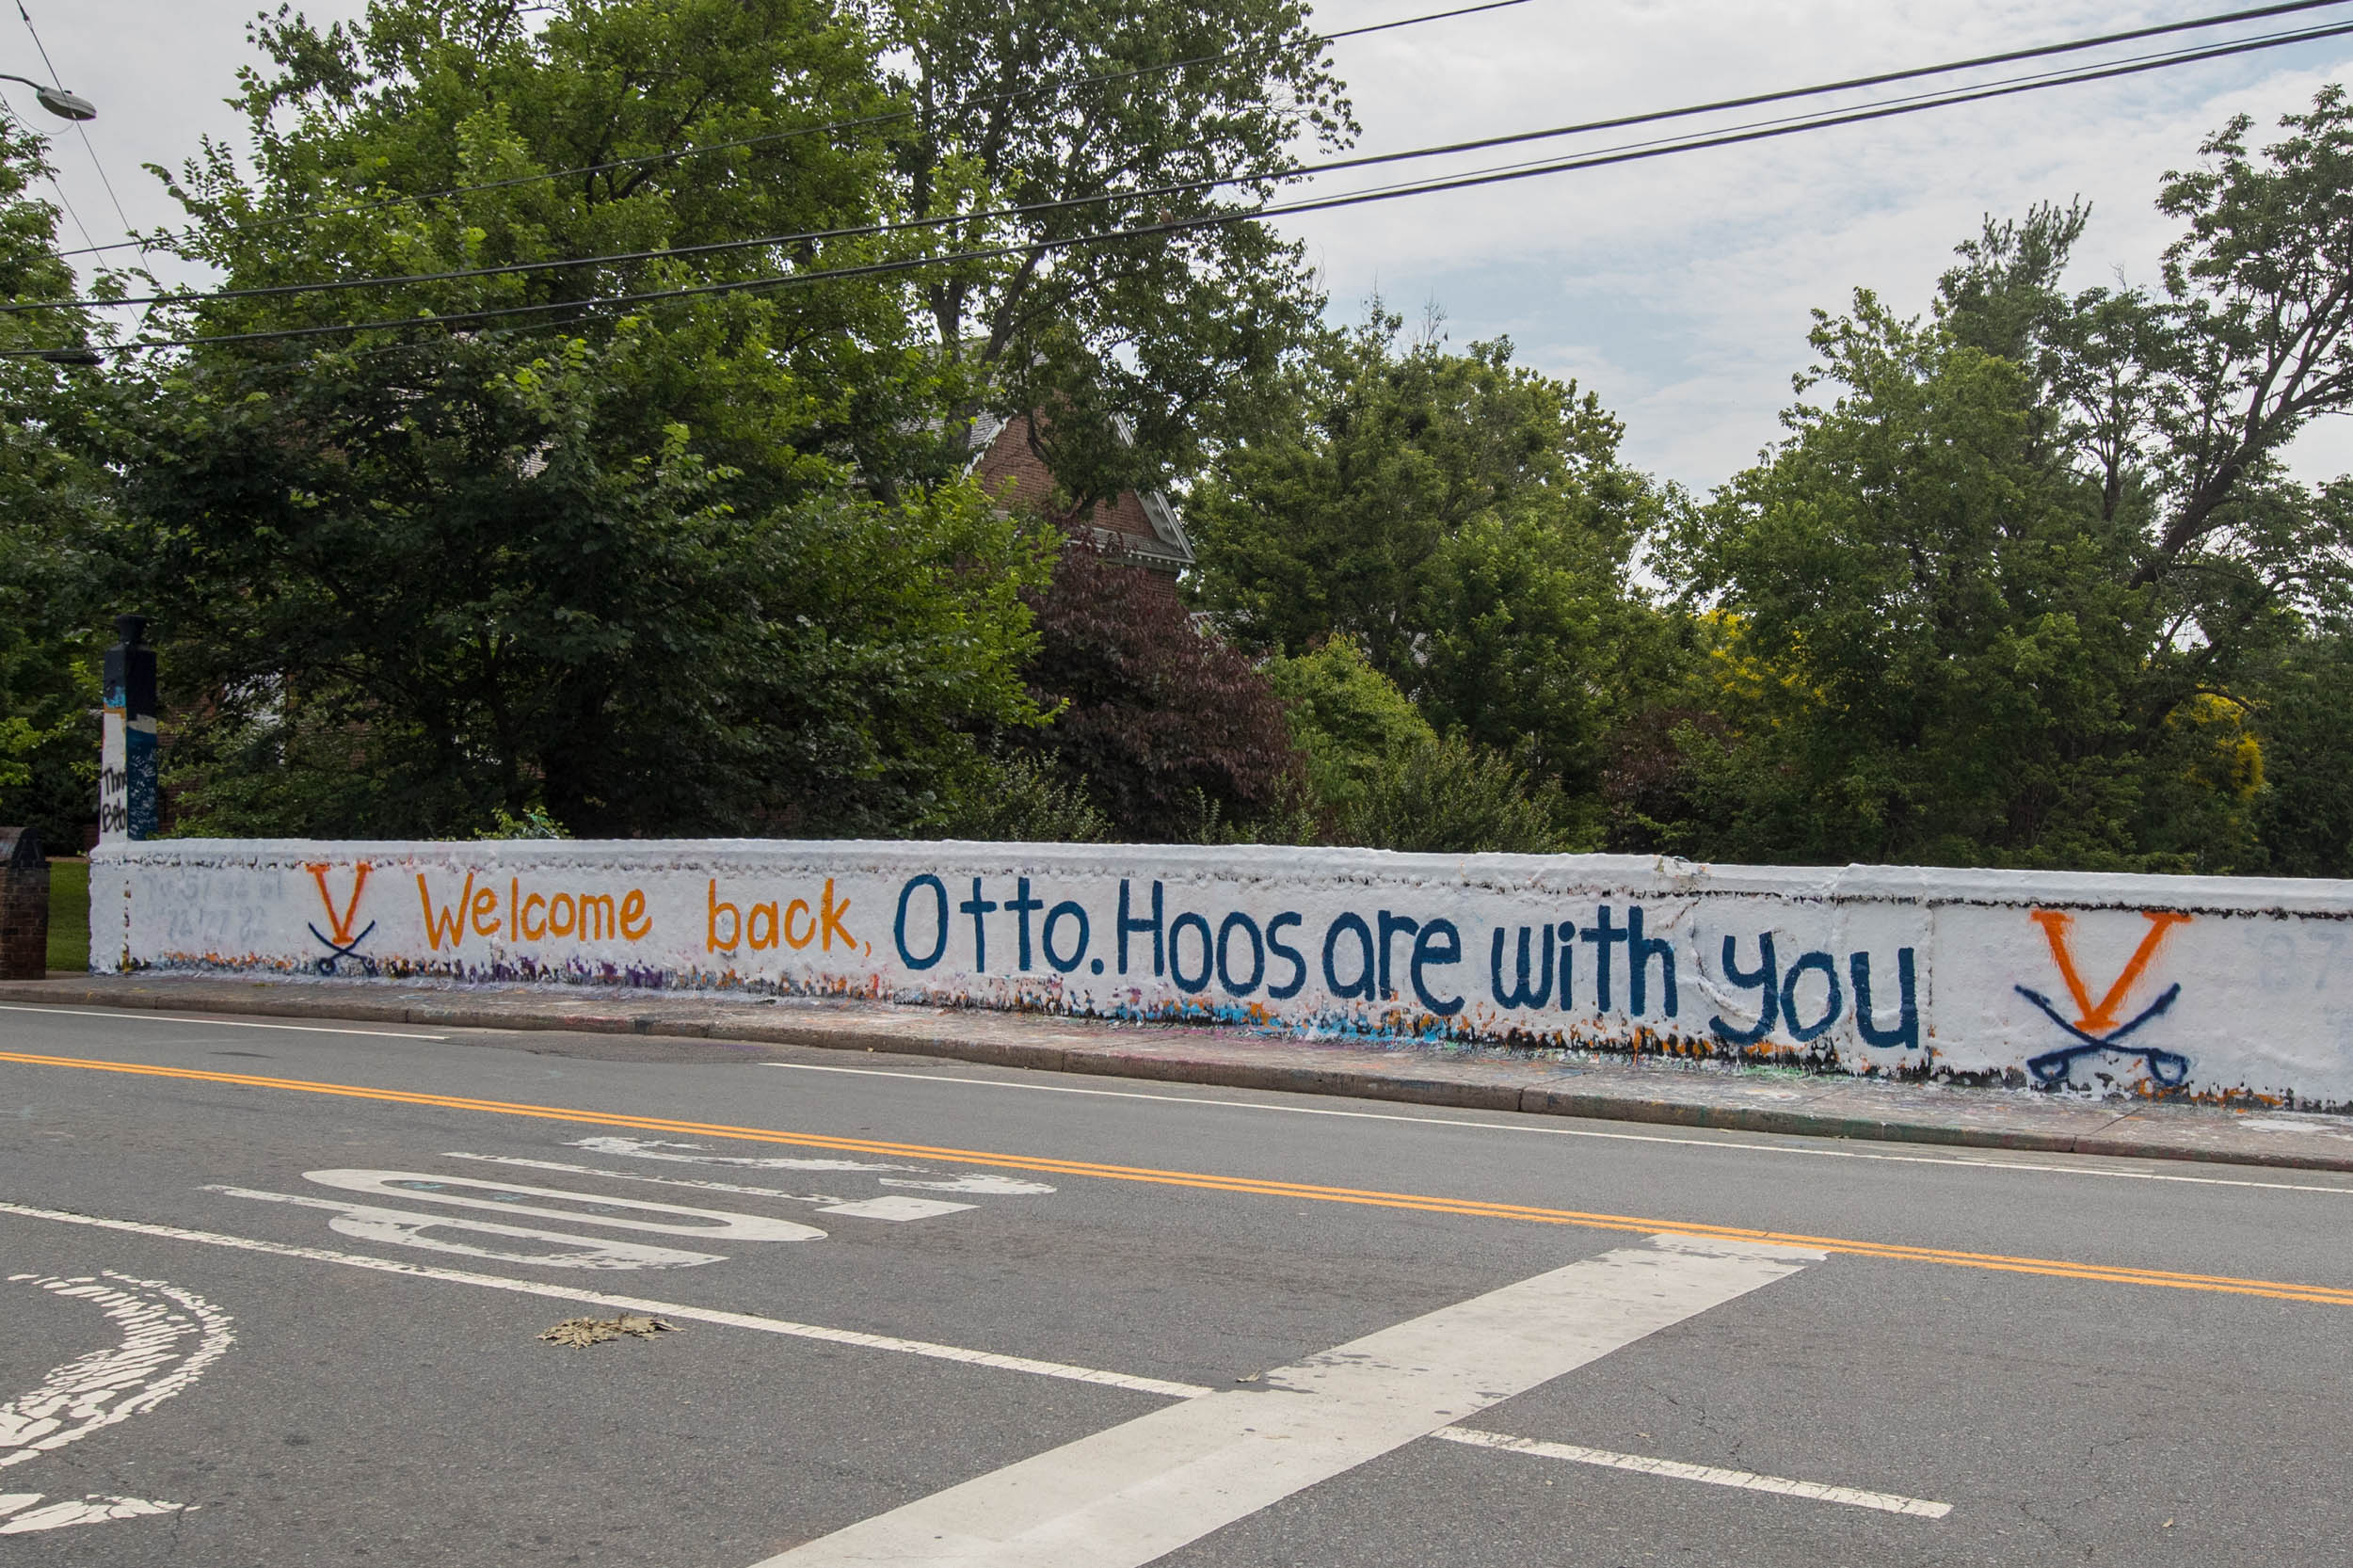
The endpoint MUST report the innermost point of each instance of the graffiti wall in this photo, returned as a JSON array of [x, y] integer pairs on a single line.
[[2214, 988]]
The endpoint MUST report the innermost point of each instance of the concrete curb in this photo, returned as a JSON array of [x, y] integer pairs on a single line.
[[1664, 1095]]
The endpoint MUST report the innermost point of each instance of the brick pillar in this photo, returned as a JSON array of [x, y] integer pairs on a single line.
[[23, 906]]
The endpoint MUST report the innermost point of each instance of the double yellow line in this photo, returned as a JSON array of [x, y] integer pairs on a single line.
[[1303, 1191]]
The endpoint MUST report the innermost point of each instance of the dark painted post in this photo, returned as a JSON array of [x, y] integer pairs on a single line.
[[126, 767], [23, 906]]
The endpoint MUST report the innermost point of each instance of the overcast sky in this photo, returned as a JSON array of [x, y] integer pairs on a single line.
[[1678, 289]]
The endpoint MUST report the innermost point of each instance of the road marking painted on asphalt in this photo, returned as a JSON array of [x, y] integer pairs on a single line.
[[895, 1209], [87, 1510], [716, 1224], [1710, 1475], [656, 1149], [1541, 1128], [155, 1362], [1132, 1494], [600, 1297], [695, 1154], [1671, 1469], [401, 1228], [993, 1186], [214, 1023], [2098, 1273], [170, 1336]]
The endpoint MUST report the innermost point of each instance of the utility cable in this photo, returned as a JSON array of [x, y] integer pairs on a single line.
[[54, 184], [1749, 102], [1631, 153], [88, 146], [650, 159], [1195, 186]]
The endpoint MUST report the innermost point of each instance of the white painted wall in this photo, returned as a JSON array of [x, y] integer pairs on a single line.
[[2221, 985]]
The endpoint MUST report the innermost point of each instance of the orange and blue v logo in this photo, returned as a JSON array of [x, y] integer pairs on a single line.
[[340, 923], [2095, 1027]]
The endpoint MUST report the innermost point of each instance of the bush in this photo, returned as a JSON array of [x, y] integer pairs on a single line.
[[1351, 721], [1164, 721], [1018, 799], [1452, 797]]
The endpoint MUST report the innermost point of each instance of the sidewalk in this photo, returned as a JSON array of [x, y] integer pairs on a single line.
[[1766, 1100]]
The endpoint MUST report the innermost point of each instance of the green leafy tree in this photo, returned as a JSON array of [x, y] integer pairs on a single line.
[[1920, 642], [2304, 816], [1466, 520], [52, 570], [1453, 797], [1023, 799], [453, 597], [1351, 721], [2011, 594], [1144, 348], [670, 568]]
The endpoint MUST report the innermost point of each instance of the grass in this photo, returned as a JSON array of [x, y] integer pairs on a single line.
[[69, 914]]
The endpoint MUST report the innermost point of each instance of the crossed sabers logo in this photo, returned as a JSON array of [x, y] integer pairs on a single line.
[[2096, 1027], [342, 943]]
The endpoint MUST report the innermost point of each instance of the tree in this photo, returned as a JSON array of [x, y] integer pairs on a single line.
[[1351, 723], [1465, 520], [2304, 816], [454, 596], [1174, 732], [1141, 349], [2259, 290], [52, 572], [674, 569], [1920, 645], [1452, 797], [2012, 594]]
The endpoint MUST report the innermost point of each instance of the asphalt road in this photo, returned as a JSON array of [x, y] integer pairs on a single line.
[[947, 1313]]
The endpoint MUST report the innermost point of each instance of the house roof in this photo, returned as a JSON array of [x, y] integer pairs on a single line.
[[1143, 525]]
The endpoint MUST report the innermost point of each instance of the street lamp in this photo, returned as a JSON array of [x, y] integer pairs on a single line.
[[66, 105]]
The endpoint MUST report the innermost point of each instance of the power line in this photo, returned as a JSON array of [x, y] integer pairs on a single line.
[[1195, 186], [861, 122], [80, 130], [54, 184], [1636, 152]]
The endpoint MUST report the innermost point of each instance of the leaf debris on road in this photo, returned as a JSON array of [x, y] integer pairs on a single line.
[[590, 1331]]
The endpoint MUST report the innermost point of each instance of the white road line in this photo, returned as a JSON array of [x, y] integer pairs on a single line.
[[401, 1227], [1671, 1469], [893, 1208], [592, 1209], [155, 1362], [699, 1154], [97, 1390], [88, 1510], [143, 1016], [1541, 1130], [971, 1181], [1137, 1492], [630, 1303], [1675, 1469]]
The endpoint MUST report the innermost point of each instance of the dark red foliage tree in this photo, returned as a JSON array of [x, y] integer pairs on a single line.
[[1164, 721]]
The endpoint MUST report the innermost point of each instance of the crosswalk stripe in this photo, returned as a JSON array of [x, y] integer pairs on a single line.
[[1139, 1491]]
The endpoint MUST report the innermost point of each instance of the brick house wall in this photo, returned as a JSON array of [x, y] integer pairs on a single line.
[[1143, 530]]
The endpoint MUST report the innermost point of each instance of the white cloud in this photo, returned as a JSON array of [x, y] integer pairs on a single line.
[[158, 71], [1680, 288]]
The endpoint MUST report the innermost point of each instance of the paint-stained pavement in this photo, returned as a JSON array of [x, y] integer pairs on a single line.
[[1672, 1092]]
